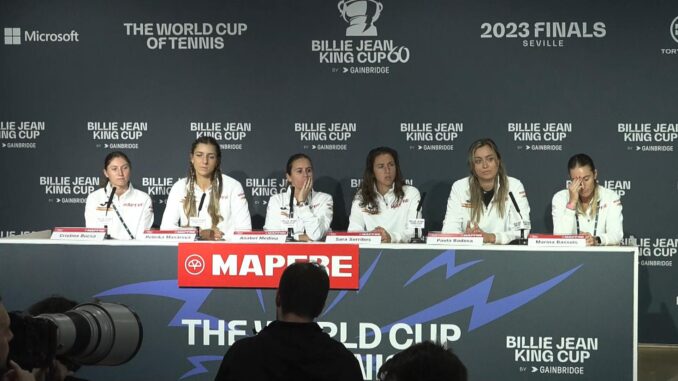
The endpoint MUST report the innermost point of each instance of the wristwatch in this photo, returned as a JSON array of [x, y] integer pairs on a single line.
[[302, 203], [598, 241]]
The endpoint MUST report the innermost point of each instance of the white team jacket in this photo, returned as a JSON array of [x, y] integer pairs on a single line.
[[504, 228], [392, 215], [135, 207], [314, 219], [232, 207], [610, 227]]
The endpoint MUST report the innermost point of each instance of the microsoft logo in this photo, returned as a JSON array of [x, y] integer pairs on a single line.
[[12, 36]]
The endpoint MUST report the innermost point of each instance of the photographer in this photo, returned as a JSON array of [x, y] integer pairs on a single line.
[[9, 370]]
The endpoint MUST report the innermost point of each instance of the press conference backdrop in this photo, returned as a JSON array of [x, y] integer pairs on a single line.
[[333, 79]]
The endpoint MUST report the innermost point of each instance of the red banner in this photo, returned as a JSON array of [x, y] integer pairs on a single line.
[[231, 265]]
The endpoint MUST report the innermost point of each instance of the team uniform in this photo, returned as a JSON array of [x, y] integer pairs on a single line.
[[506, 228], [135, 208], [232, 207], [313, 217], [608, 224], [392, 216]]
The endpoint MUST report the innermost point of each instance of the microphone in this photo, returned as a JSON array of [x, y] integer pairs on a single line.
[[290, 230], [110, 200], [202, 201], [421, 202], [522, 240], [515, 204], [416, 238], [291, 200]]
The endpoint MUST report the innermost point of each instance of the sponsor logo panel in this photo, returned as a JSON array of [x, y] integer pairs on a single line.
[[68, 189], [362, 52], [326, 136], [230, 135], [23, 134], [184, 36], [261, 265], [431, 136], [648, 136], [539, 136], [542, 34], [117, 135], [551, 354]]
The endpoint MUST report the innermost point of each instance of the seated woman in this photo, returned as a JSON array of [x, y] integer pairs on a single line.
[[207, 198], [130, 211], [480, 202], [383, 203], [586, 207], [311, 209]]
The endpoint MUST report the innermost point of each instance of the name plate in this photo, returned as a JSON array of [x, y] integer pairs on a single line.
[[551, 240], [79, 234], [197, 221], [180, 235], [270, 236], [416, 223], [457, 239], [353, 237], [288, 222]]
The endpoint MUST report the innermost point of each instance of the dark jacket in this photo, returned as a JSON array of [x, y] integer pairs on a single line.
[[289, 351]]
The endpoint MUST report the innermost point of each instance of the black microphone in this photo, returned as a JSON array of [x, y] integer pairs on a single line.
[[416, 238], [110, 200], [291, 200], [202, 201], [515, 204], [421, 202], [290, 230], [522, 240]]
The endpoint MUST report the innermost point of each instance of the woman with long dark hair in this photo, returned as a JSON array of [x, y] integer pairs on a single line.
[[383, 203], [312, 210], [130, 211], [207, 198], [480, 203], [586, 207]]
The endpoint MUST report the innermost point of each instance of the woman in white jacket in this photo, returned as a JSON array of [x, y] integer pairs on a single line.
[[130, 211], [312, 210], [383, 203], [586, 207], [207, 198], [480, 203]]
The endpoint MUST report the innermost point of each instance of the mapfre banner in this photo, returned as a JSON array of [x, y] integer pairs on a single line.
[[261, 265]]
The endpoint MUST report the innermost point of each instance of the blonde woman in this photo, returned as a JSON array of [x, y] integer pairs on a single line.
[[481, 204], [207, 198]]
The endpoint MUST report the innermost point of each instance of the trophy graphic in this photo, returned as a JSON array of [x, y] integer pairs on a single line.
[[360, 15]]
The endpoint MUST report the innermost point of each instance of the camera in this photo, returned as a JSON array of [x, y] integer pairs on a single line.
[[89, 334]]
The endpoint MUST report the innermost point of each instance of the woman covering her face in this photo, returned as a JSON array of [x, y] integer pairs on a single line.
[[586, 207], [383, 203], [130, 211], [481, 204], [207, 199], [312, 210]]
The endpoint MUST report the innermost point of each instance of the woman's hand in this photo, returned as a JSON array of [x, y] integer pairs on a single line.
[[385, 237], [573, 189], [474, 229], [302, 193], [211, 235]]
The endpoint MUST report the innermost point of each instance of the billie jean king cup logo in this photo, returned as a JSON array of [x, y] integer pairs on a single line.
[[361, 16]]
